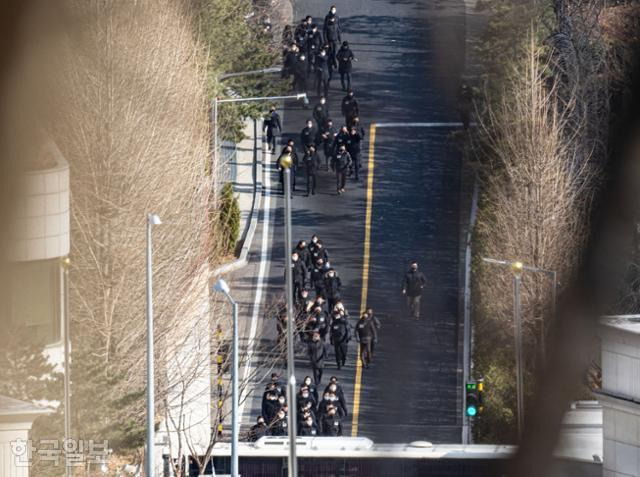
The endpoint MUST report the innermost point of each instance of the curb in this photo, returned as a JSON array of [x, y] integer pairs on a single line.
[[241, 261]]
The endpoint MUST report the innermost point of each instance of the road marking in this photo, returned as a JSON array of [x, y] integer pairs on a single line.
[[421, 125], [365, 276], [367, 246], [264, 259]]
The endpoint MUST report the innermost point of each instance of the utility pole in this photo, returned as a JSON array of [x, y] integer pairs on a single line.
[[285, 162]]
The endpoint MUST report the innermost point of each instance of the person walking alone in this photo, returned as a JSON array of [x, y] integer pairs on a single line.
[[345, 60], [272, 126], [367, 336], [412, 286], [341, 164], [317, 353]]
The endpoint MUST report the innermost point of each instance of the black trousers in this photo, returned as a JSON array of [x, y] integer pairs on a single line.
[[323, 86], [413, 304], [271, 140], [331, 302], [341, 178], [311, 183], [345, 80], [365, 352], [341, 353], [356, 163], [317, 375]]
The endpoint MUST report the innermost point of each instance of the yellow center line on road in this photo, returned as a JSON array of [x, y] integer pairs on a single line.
[[365, 276]]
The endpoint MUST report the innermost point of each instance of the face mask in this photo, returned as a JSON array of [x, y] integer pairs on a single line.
[[333, 10], [305, 395], [326, 397]]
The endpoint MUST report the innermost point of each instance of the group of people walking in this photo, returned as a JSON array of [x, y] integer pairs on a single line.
[[309, 53]]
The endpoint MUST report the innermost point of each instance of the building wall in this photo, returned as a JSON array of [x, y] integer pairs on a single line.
[[620, 396]]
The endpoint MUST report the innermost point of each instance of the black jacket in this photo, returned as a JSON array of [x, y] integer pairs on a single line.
[[304, 255], [322, 67], [332, 27], [366, 330], [340, 331], [306, 137], [413, 283], [313, 43], [350, 107], [332, 426], [308, 431], [332, 286], [345, 60], [341, 161], [312, 164], [320, 114], [300, 68], [272, 122], [317, 353], [257, 431], [318, 252], [299, 272], [279, 427], [353, 144]]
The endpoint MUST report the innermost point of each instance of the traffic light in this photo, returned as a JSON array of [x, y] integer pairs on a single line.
[[474, 398], [472, 401]]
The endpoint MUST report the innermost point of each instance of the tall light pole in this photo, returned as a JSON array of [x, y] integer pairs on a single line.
[[66, 263], [222, 287], [286, 162], [517, 268], [152, 219]]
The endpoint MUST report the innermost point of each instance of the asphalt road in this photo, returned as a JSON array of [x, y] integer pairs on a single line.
[[411, 55]]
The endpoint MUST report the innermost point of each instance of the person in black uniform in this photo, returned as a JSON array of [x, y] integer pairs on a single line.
[[350, 107], [412, 286], [308, 428], [341, 163], [299, 273], [332, 34], [320, 252], [328, 136], [304, 253], [322, 73], [354, 148], [345, 60], [271, 125], [300, 74], [332, 423], [313, 43], [307, 136], [321, 114], [317, 353], [290, 57], [376, 323], [312, 387], [332, 26], [340, 337], [332, 287], [270, 406], [311, 164], [278, 426], [367, 335], [302, 31], [258, 430]]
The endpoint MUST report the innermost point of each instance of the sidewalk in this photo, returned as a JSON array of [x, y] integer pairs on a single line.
[[247, 185]]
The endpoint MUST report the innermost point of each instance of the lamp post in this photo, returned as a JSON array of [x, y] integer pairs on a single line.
[[517, 268], [286, 162], [217, 101], [152, 219], [222, 287], [66, 263]]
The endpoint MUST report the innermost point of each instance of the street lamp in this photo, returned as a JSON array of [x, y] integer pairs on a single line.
[[286, 163], [517, 268], [65, 264], [217, 101], [152, 219], [222, 287]]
